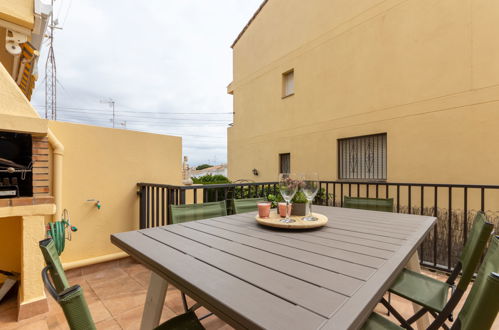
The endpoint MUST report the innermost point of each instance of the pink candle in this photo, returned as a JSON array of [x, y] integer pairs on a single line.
[[264, 210], [282, 209]]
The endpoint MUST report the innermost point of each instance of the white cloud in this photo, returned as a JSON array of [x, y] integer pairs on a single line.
[[152, 58]]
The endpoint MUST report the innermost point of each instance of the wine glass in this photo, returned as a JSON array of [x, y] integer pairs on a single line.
[[310, 187], [288, 187]]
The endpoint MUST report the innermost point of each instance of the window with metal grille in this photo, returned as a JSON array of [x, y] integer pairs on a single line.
[[362, 158], [285, 163]]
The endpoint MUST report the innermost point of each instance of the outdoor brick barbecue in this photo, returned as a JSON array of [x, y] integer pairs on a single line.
[[24, 169]]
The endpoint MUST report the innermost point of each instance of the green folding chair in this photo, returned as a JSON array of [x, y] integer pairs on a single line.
[[432, 294], [72, 300], [247, 204], [191, 212], [480, 308], [371, 204]]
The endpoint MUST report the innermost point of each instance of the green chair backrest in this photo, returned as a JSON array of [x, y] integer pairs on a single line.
[[247, 204], [75, 308], [191, 212], [53, 262], [482, 305], [71, 299], [371, 204], [473, 249]]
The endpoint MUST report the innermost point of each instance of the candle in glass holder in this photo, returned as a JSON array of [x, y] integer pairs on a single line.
[[264, 209], [282, 209]]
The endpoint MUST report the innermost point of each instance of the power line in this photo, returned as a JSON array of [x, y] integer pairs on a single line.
[[151, 118], [147, 119], [139, 111]]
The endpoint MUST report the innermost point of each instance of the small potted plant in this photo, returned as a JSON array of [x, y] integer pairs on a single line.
[[274, 199], [299, 204]]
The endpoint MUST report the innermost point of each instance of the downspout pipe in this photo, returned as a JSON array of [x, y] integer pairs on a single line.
[[58, 152]]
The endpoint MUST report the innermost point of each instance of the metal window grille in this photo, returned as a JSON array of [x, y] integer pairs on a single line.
[[362, 158], [284, 163]]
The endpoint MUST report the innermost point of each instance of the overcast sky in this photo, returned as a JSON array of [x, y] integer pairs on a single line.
[[165, 63]]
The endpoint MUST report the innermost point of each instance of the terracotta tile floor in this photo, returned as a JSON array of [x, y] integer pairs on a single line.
[[115, 292]]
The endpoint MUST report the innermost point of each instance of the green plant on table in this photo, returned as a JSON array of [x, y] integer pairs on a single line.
[[298, 198]]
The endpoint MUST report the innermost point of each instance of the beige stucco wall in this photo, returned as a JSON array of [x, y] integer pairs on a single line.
[[106, 164], [426, 72], [12, 100], [18, 12]]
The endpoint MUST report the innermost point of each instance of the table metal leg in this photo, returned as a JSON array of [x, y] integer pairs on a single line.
[[155, 300], [423, 322]]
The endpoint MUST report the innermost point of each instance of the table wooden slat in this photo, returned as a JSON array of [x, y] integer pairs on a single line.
[[374, 237]]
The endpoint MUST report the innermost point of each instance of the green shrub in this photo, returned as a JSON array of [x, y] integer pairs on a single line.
[[203, 166], [211, 179]]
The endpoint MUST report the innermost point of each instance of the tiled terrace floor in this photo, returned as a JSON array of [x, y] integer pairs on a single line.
[[115, 292]]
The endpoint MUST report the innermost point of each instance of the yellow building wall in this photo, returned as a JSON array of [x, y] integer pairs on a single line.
[[106, 164], [426, 72]]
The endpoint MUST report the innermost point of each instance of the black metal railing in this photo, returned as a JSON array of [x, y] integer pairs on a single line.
[[155, 199], [454, 205]]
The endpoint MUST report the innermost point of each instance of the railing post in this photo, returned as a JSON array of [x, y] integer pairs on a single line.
[[142, 209], [182, 196]]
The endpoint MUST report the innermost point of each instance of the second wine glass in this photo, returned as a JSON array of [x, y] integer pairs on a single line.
[[310, 187], [288, 186]]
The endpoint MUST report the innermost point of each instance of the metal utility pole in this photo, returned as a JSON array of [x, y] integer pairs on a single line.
[[51, 74], [111, 103]]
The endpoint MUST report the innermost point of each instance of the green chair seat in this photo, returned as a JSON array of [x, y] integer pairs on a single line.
[[246, 204], [421, 289], [371, 204], [192, 212], [378, 322]]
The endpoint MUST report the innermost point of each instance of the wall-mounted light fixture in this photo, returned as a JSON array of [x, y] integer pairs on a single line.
[[255, 172]]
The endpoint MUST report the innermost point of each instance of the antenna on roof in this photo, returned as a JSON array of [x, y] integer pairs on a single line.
[[111, 103], [51, 73]]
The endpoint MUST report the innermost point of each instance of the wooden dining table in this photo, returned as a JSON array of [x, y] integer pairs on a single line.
[[257, 277]]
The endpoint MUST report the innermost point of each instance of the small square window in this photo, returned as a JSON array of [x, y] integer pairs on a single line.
[[285, 163], [288, 83]]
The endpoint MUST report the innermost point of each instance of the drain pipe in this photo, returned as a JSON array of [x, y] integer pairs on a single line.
[[58, 150]]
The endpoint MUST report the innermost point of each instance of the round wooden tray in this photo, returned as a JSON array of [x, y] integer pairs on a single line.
[[274, 221]]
